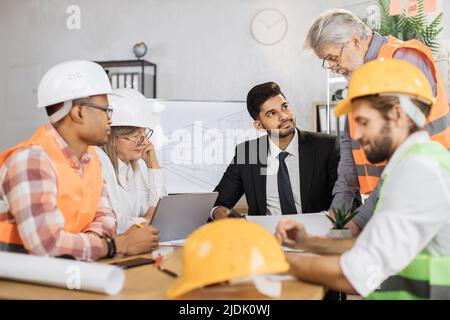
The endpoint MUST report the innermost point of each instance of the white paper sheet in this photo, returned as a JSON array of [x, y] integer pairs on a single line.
[[173, 243], [68, 274], [315, 223], [265, 284]]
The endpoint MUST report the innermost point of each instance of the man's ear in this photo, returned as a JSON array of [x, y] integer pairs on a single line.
[[258, 125], [356, 41], [397, 113], [77, 114]]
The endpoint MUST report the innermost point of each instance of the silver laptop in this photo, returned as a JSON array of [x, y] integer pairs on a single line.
[[176, 216]]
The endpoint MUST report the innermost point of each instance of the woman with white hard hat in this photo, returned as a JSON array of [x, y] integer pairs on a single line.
[[134, 179]]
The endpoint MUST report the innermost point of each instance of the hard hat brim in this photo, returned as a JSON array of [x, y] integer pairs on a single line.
[[179, 288], [344, 107], [182, 285]]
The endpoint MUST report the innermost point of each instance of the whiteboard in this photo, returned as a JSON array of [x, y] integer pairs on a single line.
[[196, 141]]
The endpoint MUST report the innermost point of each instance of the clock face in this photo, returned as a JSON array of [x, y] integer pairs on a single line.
[[269, 26]]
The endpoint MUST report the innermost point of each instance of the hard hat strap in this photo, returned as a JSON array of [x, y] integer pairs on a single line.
[[61, 113], [415, 114]]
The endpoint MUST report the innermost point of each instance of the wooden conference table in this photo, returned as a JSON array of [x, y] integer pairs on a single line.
[[148, 283]]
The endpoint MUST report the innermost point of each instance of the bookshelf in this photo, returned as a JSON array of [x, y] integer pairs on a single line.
[[137, 74], [320, 121]]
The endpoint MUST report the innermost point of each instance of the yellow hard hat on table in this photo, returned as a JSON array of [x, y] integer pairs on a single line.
[[385, 76], [227, 249]]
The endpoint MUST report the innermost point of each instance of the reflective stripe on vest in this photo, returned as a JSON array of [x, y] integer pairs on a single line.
[[77, 197], [426, 277], [438, 122]]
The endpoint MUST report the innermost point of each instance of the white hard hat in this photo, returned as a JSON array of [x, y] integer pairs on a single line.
[[131, 108], [72, 80]]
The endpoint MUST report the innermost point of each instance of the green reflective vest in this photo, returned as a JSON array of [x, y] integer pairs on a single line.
[[426, 277]]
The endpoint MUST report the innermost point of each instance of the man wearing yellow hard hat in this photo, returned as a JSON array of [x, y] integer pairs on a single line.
[[344, 43], [404, 251]]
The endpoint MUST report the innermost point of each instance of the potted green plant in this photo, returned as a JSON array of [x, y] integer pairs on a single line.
[[339, 220], [406, 28]]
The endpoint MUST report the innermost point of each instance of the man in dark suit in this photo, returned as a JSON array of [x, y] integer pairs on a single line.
[[287, 171]]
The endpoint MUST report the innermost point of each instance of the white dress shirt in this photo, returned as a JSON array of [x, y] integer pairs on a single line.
[[138, 190], [293, 166], [414, 214]]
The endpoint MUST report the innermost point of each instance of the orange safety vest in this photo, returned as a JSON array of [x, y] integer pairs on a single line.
[[438, 122], [77, 198]]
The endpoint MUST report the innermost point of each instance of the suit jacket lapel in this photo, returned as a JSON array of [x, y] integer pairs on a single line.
[[307, 155], [258, 172]]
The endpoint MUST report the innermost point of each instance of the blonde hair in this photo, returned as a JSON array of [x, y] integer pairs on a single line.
[[335, 26], [110, 149]]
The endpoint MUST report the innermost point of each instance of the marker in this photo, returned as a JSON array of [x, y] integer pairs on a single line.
[[158, 262], [170, 273]]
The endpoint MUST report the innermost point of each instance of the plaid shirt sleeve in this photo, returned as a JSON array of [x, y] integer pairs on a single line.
[[31, 191], [105, 222]]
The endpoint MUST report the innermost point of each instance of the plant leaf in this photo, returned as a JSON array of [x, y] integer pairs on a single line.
[[331, 219], [407, 28]]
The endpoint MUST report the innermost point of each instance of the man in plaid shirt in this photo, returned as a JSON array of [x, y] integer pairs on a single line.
[[53, 201]]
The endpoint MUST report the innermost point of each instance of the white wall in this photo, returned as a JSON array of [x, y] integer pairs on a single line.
[[446, 22], [203, 48]]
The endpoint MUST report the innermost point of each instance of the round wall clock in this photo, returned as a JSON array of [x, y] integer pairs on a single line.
[[269, 26]]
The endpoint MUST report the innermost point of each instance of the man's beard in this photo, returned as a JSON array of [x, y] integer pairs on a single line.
[[381, 148], [277, 133]]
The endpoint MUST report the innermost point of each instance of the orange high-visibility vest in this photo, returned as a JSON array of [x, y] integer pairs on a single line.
[[78, 197], [438, 122]]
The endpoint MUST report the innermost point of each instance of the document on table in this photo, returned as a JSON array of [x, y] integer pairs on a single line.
[[68, 274], [315, 223], [173, 243]]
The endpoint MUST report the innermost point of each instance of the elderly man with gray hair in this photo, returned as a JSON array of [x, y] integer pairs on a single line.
[[343, 42]]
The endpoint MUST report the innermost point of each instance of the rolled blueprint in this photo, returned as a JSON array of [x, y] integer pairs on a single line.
[[68, 274]]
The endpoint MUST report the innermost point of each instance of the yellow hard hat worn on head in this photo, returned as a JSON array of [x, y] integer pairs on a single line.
[[227, 249], [384, 76]]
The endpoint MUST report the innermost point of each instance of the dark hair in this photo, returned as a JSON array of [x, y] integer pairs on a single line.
[[260, 94], [53, 108]]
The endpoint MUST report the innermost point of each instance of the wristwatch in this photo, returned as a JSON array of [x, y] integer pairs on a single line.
[[111, 243], [234, 214]]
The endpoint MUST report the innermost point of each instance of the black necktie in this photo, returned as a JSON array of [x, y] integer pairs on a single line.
[[284, 187]]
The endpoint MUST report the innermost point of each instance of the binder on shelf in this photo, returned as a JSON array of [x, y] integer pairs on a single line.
[[322, 117], [114, 81], [128, 80], [135, 81], [336, 124], [121, 77]]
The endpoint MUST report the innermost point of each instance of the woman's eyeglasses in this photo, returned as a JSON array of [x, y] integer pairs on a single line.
[[140, 140]]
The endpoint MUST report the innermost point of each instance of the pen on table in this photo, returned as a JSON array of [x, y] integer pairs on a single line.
[[170, 273], [158, 263]]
